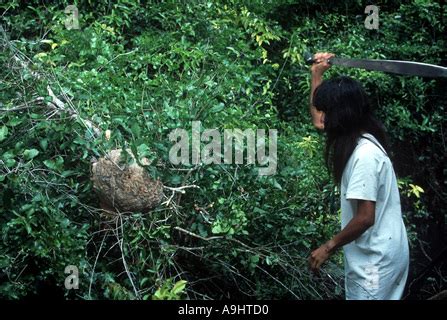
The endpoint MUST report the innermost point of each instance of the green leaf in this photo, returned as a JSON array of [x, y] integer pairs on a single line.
[[276, 184], [216, 229], [40, 55], [68, 173], [3, 132], [29, 154], [54, 164], [259, 210], [176, 179], [217, 108], [136, 130], [179, 287], [143, 150], [50, 164], [8, 158], [15, 121], [43, 144], [10, 163]]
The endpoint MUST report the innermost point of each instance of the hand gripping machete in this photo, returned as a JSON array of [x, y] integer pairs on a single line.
[[393, 66]]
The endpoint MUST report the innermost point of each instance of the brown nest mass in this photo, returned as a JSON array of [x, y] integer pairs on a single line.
[[125, 187]]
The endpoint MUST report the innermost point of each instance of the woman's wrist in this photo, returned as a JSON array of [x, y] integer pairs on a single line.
[[330, 246]]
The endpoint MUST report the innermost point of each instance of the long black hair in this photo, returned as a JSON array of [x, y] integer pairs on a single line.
[[348, 115]]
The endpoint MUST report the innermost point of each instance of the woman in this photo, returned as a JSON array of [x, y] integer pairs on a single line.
[[373, 234]]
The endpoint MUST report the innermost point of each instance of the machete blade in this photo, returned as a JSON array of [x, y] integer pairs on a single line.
[[393, 66]]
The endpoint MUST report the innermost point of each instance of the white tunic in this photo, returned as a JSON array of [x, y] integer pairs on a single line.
[[376, 263]]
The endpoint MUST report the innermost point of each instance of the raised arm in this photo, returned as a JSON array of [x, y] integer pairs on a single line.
[[317, 69]]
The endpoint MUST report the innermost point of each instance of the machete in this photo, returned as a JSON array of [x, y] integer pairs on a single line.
[[393, 66]]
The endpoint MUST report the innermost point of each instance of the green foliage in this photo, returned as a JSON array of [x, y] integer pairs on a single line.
[[141, 69], [170, 292]]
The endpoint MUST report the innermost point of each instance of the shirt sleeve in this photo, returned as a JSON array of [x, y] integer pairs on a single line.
[[363, 183]]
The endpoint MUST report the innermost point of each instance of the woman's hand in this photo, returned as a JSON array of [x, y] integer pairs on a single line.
[[321, 63], [320, 255]]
